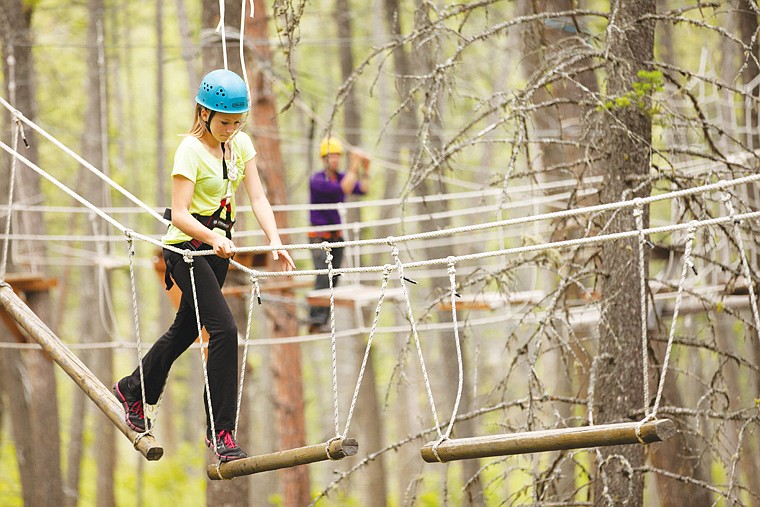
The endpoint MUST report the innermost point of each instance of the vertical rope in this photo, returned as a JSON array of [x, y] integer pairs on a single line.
[[638, 213], [453, 289], [333, 340], [410, 316], [745, 264], [17, 132], [255, 291], [136, 315], [220, 28], [189, 259], [242, 45]]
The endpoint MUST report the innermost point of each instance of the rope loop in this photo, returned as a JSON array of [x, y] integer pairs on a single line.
[[434, 447], [327, 448], [219, 472]]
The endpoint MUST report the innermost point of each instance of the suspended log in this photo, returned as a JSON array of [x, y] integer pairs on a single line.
[[549, 440], [70, 363], [336, 449]]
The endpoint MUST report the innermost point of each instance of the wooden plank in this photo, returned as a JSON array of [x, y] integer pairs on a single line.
[[351, 295], [338, 449], [548, 440], [30, 283], [492, 300], [71, 364]]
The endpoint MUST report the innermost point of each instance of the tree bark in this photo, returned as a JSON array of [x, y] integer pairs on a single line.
[[286, 358], [626, 133], [34, 407]]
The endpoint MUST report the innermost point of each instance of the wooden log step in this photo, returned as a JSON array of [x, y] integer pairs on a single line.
[[548, 440], [334, 450], [79, 373]]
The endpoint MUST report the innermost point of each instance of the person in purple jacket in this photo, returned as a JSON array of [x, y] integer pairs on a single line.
[[331, 186]]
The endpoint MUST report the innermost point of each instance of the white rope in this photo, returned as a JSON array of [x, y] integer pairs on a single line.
[[79, 159], [386, 274], [745, 264], [255, 291], [333, 342], [17, 132], [484, 255], [687, 264], [460, 369], [189, 259], [135, 314], [221, 29], [412, 323], [242, 47], [638, 213]]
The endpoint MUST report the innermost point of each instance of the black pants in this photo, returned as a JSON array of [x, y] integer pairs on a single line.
[[210, 272], [320, 314]]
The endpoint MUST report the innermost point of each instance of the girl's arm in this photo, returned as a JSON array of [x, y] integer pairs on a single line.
[[264, 214]]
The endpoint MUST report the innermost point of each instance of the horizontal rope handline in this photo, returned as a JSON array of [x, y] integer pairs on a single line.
[[81, 160], [533, 218], [78, 197], [496, 253], [619, 205]]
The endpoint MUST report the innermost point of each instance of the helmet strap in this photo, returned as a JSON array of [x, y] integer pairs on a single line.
[[211, 114], [224, 164]]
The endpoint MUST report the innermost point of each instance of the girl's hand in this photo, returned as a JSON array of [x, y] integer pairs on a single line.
[[286, 263], [223, 247]]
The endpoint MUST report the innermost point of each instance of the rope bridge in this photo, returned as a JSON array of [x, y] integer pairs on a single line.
[[444, 448]]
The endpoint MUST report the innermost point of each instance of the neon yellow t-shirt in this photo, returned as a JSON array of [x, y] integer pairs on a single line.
[[193, 161]]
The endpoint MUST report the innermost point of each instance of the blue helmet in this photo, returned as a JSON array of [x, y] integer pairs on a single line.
[[223, 91]]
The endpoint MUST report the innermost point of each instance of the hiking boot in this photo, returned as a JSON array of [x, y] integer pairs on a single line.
[[133, 406], [226, 447]]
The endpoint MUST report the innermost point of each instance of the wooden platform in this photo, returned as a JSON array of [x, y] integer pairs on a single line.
[[351, 296], [492, 300], [23, 282]]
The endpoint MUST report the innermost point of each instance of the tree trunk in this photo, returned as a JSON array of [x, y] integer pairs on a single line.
[[626, 138], [96, 327], [35, 419], [286, 358]]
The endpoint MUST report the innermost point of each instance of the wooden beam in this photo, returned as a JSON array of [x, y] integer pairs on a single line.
[[71, 364], [352, 295], [548, 440], [30, 283], [338, 449]]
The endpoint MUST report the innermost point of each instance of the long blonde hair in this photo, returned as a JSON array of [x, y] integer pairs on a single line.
[[199, 126]]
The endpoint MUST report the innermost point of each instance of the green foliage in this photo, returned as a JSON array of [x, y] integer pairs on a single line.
[[640, 96], [10, 482]]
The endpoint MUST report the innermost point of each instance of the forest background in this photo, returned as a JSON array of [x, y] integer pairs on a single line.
[[473, 112]]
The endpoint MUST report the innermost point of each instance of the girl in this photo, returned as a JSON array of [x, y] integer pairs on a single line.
[[209, 165]]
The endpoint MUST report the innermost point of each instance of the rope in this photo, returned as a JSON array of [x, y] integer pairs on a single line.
[[687, 264], [255, 291], [18, 128], [386, 274], [333, 342], [410, 316], [78, 158], [220, 28], [453, 288], [135, 314], [189, 259], [745, 264], [638, 214]]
